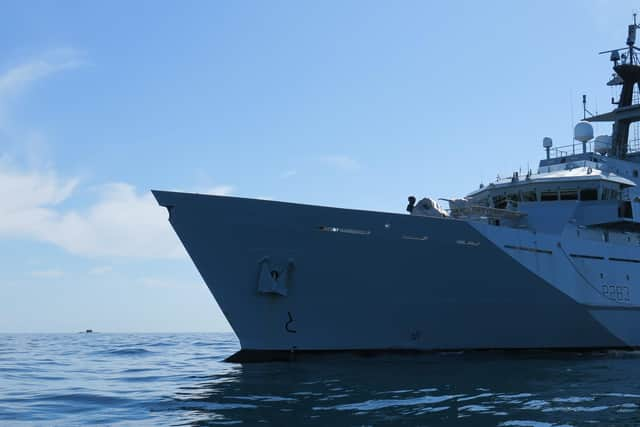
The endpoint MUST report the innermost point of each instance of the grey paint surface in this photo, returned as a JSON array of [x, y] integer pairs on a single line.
[[381, 290]]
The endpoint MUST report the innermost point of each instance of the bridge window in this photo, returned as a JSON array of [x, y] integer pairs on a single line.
[[499, 202], [547, 196], [529, 196], [589, 194], [610, 194], [568, 195]]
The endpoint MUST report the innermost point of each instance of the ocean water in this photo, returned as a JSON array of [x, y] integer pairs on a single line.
[[181, 379]]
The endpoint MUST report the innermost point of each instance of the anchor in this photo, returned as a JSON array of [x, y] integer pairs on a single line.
[[273, 277]]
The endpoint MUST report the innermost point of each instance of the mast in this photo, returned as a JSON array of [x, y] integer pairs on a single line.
[[627, 74]]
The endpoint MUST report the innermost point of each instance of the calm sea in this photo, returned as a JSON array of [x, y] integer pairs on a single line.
[[181, 379]]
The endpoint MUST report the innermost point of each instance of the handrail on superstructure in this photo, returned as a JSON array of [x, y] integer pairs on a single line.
[[569, 150]]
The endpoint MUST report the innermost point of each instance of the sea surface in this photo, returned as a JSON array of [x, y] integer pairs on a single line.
[[181, 379]]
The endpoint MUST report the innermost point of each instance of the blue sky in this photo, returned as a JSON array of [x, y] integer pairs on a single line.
[[355, 104]]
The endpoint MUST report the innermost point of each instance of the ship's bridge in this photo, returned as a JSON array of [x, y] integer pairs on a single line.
[[584, 195], [576, 183]]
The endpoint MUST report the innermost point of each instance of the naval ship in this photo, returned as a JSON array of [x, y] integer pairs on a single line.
[[547, 259]]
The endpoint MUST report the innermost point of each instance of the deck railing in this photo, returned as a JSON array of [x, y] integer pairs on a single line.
[[569, 150]]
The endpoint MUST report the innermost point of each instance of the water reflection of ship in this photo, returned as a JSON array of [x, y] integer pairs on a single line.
[[440, 388]]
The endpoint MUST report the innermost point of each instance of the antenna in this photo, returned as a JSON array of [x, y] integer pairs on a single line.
[[616, 56], [584, 108], [626, 66], [631, 40]]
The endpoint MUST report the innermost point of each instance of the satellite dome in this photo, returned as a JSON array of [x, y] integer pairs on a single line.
[[547, 142], [583, 132], [602, 144]]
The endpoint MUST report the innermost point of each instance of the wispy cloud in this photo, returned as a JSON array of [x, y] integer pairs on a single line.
[[122, 222], [157, 283], [47, 274], [23, 190], [288, 174], [101, 270], [219, 190], [17, 79], [21, 75], [342, 162]]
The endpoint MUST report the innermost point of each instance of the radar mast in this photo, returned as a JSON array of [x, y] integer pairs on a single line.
[[627, 74]]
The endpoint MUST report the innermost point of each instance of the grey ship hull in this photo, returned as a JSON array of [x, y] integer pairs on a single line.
[[360, 280]]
